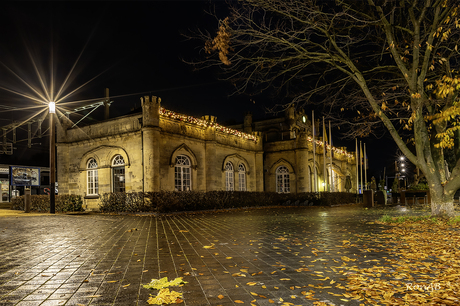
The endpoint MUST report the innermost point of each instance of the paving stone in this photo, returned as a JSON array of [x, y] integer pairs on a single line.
[[100, 260]]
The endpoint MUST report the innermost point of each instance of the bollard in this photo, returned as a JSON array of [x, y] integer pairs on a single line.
[[26, 199]]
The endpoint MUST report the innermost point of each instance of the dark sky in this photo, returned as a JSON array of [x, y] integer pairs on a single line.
[[136, 47]]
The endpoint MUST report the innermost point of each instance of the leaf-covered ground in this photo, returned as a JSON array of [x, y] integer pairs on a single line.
[[423, 267]]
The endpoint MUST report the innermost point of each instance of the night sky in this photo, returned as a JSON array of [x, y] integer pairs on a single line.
[[132, 48]]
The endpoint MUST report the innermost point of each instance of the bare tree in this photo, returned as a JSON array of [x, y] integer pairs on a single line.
[[372, 63]]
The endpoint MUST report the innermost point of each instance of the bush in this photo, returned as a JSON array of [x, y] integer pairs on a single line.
[[419, 186], [41, 203], [171, 201]]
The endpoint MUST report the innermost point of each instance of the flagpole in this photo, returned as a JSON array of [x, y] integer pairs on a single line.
[[330, 159], [314, 149], [357, 167], [365, 165], [324, 156], [361, 163]]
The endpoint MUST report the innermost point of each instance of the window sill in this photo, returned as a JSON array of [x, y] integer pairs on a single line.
[[95, 196]]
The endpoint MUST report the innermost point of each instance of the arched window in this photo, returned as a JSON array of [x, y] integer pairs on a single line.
[[282, 180], [311, 176], [118, 174], [92, 177], [242, 177], [229, 181], [182, 173]]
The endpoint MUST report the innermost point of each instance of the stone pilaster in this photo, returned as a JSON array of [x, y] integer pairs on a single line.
[[151, 142], [301, 155]]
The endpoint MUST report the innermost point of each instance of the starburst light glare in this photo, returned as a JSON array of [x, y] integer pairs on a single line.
[[52, 107]]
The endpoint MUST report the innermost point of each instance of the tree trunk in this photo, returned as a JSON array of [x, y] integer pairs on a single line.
[[441, 204]]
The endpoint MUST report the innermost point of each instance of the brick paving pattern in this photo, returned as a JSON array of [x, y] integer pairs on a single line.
[[104, 260]]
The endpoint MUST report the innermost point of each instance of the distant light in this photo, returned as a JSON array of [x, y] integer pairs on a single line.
[[52, 107], [402, 165], [304, 119], [403, 170], [324, 184], [401, 158]]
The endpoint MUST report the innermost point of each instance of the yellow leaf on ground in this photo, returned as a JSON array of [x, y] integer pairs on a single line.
[[239, 302], [220, 296], [165, 296], [251, 283]]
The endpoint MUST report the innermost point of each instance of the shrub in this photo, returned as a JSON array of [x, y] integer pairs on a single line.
[[419, 186], [171, 201], [41, 203]]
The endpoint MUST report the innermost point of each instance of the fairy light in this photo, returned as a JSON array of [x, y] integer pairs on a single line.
[[329, 147], [200, 122], [204, 123]]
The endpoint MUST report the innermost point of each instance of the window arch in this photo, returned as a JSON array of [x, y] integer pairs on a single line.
[[242, 177], [118, 174], [118, 160], [182, 173], [282, 180], [92, 180], [229, 179]]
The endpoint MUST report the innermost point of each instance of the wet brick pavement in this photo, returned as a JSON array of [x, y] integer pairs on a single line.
[[104, 260]]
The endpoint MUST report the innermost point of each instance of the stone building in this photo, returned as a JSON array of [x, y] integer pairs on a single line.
[[159, 149]]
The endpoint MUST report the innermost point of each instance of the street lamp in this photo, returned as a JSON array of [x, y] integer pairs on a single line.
[[52, 107], [52, 111]]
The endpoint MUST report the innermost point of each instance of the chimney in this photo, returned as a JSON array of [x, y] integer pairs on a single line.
[[106, 105], [247, 127]]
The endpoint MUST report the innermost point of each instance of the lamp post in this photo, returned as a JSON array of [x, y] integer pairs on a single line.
[[52, 111], [402, 170]]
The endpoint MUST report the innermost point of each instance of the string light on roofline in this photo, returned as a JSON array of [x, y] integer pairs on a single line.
[[329, 147], [200, 122], [204, 123]]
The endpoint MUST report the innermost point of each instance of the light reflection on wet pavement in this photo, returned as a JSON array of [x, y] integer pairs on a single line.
[[259, 256]]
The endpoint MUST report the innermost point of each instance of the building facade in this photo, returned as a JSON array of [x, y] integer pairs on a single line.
[[162, 150]]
